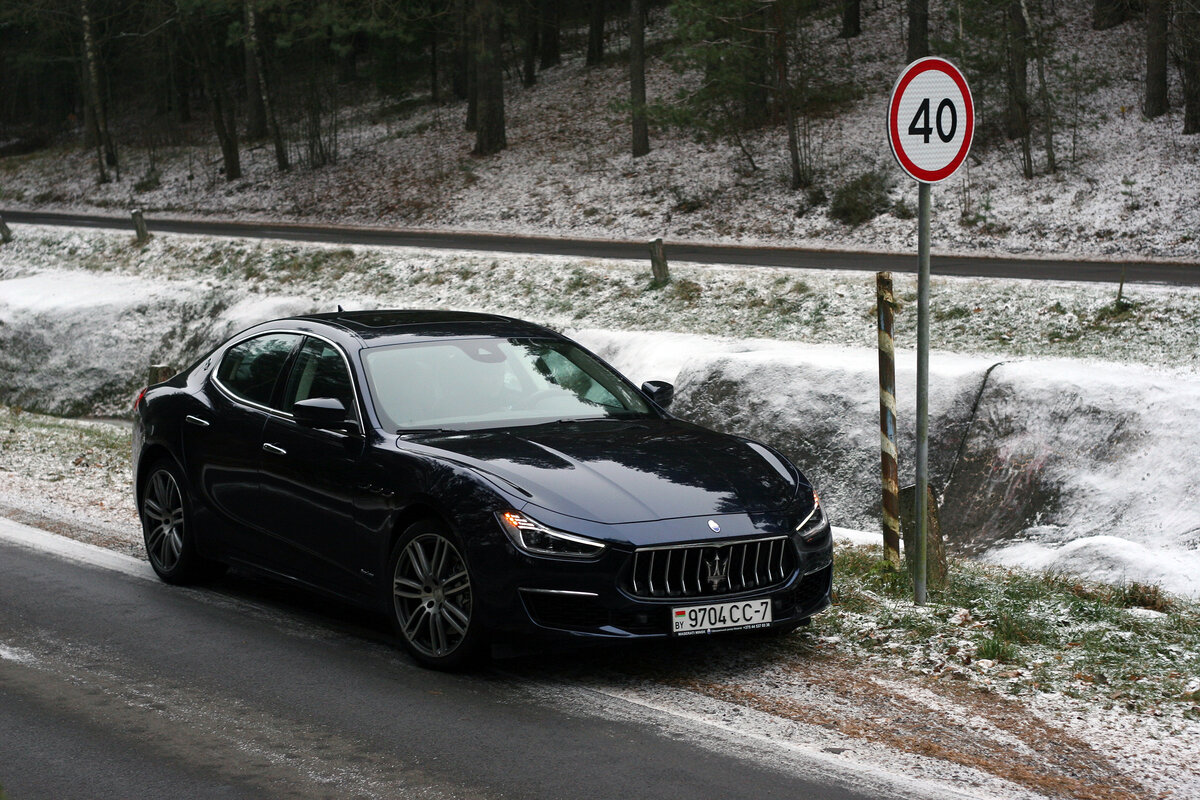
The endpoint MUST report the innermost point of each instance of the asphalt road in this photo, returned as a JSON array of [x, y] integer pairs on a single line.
[[115, 685], [1179, 274]]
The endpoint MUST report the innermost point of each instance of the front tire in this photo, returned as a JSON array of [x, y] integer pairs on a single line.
[[433, 599], [167, 527]]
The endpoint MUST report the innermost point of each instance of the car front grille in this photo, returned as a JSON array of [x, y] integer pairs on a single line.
[[711, 570]]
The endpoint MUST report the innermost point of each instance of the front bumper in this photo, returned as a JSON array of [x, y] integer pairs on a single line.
[[592, 599]]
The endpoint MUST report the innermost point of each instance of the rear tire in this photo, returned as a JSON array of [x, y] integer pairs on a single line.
[[432, 598], [167, 528]]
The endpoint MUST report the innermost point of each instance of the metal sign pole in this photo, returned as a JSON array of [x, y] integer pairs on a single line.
[[930, 126], [921, 500]]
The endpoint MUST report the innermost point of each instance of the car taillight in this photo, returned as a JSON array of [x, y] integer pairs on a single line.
[[138, 401]]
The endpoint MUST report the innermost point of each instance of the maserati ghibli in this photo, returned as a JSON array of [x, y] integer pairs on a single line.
[[474, 477]]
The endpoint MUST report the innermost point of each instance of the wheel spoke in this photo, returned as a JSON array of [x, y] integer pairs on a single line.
[[452, 584], [440, 549], [438, 633], [175, 544], [152, 540], [403, 587], [457, 619], [416, 557], [418, 616], [152, 507]]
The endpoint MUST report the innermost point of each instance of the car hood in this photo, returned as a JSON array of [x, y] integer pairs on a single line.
[[627, 471]]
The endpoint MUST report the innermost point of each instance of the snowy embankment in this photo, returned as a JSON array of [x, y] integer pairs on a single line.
[[1069, 465]]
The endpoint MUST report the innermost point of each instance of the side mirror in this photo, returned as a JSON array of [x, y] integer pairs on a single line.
[[322, 412], [661, 392]]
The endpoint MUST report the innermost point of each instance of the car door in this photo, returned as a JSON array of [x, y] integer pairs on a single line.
[[222, 443], [311, 478]]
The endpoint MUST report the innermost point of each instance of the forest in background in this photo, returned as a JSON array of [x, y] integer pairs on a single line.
[[122, 73]]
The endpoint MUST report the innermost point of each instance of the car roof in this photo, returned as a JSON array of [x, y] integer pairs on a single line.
[[393, 326]]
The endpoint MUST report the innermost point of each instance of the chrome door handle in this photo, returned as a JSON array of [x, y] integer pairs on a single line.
[[203, 423], [275, 449]]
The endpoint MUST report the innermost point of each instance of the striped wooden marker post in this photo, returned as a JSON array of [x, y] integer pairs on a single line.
[[885, 304]]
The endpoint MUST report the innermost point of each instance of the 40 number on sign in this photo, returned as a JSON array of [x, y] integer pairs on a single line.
[[920, 122]]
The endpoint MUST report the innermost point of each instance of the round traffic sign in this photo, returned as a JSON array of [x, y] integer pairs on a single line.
[[931, 119]]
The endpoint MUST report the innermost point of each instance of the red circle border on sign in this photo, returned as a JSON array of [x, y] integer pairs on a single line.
[[913, 70]]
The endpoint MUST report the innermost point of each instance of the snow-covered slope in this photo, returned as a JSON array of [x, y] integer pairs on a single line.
[[1125, 186], [1057, 452], [1079, 467]]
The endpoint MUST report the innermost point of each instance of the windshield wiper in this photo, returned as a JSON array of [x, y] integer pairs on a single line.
[[413, 431]]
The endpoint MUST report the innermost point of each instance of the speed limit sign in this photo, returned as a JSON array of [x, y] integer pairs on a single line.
[[931, 119]]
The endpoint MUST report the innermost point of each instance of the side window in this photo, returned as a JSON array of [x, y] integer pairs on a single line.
[[251, 369], [319, 371]]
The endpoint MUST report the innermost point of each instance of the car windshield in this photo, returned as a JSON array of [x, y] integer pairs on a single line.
[[494, 383]]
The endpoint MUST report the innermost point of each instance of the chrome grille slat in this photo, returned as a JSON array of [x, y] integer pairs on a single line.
[[695, 570]]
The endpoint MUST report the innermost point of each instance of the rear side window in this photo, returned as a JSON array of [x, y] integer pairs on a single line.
[[251, 369], [319, 371]]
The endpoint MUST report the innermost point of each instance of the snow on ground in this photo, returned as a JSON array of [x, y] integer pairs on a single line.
[[866, 706], [1088, 467], [1079, 462], [1126, 186], [1058, 451]]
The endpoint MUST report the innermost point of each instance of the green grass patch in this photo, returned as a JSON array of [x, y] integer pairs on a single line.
[[1021, 631]]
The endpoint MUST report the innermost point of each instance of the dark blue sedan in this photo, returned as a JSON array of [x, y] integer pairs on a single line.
[[476, 476]]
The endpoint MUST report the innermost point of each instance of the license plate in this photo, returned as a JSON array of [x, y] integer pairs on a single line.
[[721, 617]]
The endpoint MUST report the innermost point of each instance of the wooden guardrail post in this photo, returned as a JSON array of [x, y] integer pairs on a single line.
[[660, 274], [5, 233], [139, 226], [158, 373]]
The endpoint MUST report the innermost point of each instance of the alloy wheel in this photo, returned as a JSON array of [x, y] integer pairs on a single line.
[[432, 595], [162, 512]]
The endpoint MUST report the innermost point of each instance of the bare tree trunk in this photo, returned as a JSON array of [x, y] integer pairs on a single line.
[[784, 89], [595, 48], [1157, 16], [637, 76], [255, 46], [256, 114], [106, 153], [489, 134], [200, 41], [1017, 126], [434, 90], [548, 33], [527, 21], [1189, 45], [226, 134], [756, 36], [181, 79], [918, 29], [472, 55], [460, 76], [1040, 46], [851, 19]]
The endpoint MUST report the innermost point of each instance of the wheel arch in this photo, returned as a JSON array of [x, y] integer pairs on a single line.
[[151, 455], [416, 511]]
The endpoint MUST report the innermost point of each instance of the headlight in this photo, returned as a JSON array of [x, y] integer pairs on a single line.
[[813, 526], [531, 536]]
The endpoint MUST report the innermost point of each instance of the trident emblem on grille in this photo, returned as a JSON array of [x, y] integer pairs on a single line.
[[718, 571]]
